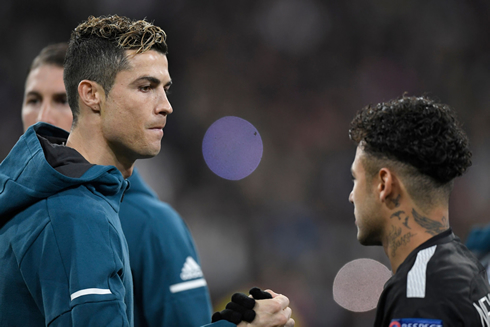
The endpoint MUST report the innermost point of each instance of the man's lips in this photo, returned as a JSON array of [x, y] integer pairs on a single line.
[[157, 129], [159, 126]]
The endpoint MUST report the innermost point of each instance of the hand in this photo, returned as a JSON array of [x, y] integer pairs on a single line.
[[240, 308], [273, 312]]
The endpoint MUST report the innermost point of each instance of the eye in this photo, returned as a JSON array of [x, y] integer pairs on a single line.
[[145, 88], [33, 101], [62, 100], [167, 91]]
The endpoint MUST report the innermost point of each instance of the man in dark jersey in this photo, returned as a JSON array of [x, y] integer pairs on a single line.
[[409, 150]]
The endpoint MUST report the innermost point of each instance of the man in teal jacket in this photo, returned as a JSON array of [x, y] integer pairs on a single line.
[[63, 255], [164, 260]]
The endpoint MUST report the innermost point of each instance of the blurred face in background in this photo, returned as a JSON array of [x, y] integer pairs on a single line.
[[45, 98]]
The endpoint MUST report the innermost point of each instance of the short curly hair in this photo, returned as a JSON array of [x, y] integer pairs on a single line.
[[97, 48], [416, 132]]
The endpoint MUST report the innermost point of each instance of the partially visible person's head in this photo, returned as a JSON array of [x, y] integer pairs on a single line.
[[98, 51], [44, 95], [53, 54], [418, 138]]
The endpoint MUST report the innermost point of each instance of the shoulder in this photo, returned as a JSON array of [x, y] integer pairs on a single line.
[[78, 202], [433, 282], [69, 212], [441, 262], [144, 209], [453, 262], [146, 219], [143, 217], [141, 208], [79, 211], [430, 271], [440, 265]]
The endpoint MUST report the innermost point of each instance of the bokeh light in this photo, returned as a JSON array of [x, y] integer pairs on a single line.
[[232, 148], [359, 284]]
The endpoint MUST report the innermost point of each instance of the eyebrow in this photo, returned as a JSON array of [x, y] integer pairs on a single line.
[[36, 93], [153, 80]]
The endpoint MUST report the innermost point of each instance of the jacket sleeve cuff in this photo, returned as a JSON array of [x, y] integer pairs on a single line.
[[221, 323]]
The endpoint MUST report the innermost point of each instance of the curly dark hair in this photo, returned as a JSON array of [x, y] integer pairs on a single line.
[[97, 51], [417, 131]]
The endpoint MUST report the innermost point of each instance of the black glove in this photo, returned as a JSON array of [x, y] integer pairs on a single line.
[[227, 314], [241, 307], [258, 294]]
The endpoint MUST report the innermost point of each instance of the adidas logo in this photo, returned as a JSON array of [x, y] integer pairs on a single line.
[[191, 269]]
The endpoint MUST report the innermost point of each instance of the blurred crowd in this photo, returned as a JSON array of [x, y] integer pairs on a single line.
[[298, 70]]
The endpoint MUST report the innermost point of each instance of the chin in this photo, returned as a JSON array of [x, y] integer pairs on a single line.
[[149, 152], [148, 155], [368, 240]]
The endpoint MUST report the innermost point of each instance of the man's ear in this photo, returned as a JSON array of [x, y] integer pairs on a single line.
[[91, 94], [386, 185]]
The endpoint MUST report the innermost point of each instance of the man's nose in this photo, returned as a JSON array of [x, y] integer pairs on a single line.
[[46, 113], [164, 106]]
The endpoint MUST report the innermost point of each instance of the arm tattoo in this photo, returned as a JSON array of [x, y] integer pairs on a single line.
[[397, 214], [432, 227], [396, 241]]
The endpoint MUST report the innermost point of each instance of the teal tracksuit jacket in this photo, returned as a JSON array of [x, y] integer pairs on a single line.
[[64, 259], [169, 286], [63, 256]]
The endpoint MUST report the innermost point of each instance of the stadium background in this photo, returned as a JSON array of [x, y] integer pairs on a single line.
[[298, 70]]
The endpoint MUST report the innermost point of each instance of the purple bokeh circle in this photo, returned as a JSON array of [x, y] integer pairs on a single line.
[[232, 148]]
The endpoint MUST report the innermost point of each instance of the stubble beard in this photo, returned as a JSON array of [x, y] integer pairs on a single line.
[[369, 238], [370, 229]]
